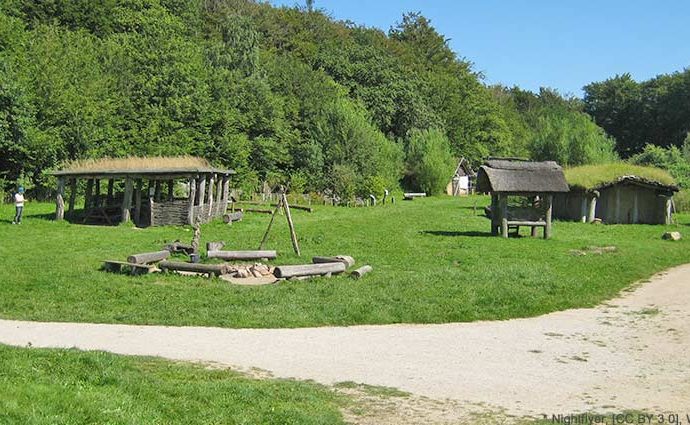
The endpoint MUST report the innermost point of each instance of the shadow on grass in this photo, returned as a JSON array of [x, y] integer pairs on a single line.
[[473, 234]]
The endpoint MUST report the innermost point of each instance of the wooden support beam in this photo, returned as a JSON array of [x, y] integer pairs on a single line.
[[503, 208], [226, 193], [669, 211], [270, 224], [97, 194], [549, 213], [88, 194], [192, 198], [219, 198], [127, 200], [59, 201], [137, 202], [72, 195], [494, 214], [202, 191], [583, 209], [592, 209], [293, 235], [157, 191], [211, 183], [635, 211], [109, 199]]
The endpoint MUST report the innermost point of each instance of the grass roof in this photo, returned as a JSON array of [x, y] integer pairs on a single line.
[[592, 176], [145, 165]]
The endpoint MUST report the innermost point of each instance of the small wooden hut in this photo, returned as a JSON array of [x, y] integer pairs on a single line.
[[145, 190], [535, 181], [617, 194], [461, 182]]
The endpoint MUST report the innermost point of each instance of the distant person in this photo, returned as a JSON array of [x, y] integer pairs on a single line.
[[18, 205]]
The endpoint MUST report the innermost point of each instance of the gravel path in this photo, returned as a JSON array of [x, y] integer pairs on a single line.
[[630, 353]]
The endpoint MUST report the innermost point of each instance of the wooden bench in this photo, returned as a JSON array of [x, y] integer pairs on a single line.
[[134, 269]]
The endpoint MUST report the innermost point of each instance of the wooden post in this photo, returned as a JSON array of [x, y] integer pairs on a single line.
[[97, 197], [171, 190], [494, 214], [202, 195], [226, 194], [88, 195], [270, 224], [293, 236], [137, 201], [211, 182], [72, 195], [192, 198], [549, 210], [109, 200], [503, 207], [592, 209], [219, 199], [59, 201], [127, 200]]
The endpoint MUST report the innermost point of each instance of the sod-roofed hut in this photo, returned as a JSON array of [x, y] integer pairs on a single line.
[[537, 182], [150, 191], [617, 194]]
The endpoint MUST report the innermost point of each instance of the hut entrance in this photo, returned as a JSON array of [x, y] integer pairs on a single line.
[[148, 191], [521, 193]]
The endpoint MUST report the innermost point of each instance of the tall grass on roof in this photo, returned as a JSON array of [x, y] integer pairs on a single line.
[[137, 163], [592, 176]]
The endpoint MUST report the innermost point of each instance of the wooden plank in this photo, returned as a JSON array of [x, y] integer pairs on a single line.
[[308, 270], [526, 223]]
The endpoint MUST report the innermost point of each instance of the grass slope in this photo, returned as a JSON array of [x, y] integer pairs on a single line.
[[591, 176], [433, 262], [73, 387]]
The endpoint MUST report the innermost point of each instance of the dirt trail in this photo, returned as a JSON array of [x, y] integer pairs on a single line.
[[630, 353]]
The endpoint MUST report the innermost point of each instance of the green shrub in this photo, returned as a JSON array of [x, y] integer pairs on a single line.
[[430, 163], [682, 201]]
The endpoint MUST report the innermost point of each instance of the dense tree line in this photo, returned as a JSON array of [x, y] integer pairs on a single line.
[[284, 95]]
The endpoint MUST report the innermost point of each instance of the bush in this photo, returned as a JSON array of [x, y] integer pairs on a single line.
[[430, 163], [682, 201]]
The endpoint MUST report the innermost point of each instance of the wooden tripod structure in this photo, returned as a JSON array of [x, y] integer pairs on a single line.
[[282, 203]]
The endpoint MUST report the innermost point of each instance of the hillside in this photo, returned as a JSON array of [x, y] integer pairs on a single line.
[[278, 94]]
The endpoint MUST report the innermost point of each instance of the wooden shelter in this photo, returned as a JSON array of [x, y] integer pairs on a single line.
[[462, 181], [536, 181], [627, 199], [144, 190]]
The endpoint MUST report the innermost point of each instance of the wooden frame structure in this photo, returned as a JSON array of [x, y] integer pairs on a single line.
[[145, 196], [537, 181]]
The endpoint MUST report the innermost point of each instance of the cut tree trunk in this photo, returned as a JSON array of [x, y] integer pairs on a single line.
[[308, 270], [242, 255], [148, 257], [345, 259], [361, 271]]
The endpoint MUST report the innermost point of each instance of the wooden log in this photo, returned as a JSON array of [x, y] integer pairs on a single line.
[[148, 257], [308, 270], [202, 191], [231, 217], [219, 199], [127, 200], [214, 246], [361, 271], [192, 197], [415, 194], [293, 235], [270, 224], [242, 255], [211, 184], [226, 194], [215, 269], [258, 210], [592, 209], [59, 201], [345, 259]]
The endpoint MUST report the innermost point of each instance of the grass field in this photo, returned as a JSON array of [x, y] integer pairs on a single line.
[[433, 262], [73, 387]]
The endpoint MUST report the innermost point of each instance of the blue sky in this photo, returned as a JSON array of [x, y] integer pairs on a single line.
[[560, 44]]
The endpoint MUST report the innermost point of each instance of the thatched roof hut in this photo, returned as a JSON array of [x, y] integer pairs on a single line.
[[538, 181], [206, 190], [520, 176], [617, 193]]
